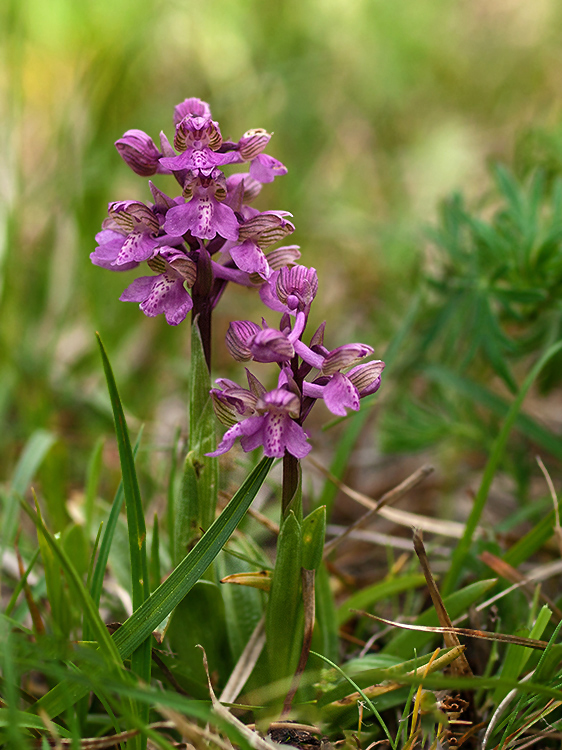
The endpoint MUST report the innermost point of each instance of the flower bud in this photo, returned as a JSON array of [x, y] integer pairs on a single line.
[[297, 286], [137, 149]]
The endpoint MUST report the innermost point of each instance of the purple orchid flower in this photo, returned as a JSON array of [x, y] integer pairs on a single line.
[[246, 340], [259, 231], [138, 151], [290, 290], [132, 234], [198, 138], [204, 215], [340, 390], [272, 427], [165, 293]]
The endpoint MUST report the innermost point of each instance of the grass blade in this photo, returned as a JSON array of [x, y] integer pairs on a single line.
[[140, 582], [109, 531], [162, 601], [462, 549]]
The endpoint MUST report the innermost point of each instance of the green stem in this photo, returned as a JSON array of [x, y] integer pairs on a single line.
[[290, 481]]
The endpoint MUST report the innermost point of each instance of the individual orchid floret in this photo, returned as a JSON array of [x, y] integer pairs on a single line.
[[246, 340], [130, 236], [165, 293], [232, 402], [296, 287], [290, 289], [204, 215], [138, 150], [258, 232], [340, 391], [199, 139], [273, 427]]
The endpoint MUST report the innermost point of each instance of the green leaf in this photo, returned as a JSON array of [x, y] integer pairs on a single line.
[[27, 721], [525, 547], [92, 481], [517, 656], [168, 595], [285, 606], [141, 659], [482, 395], [313, 535], [107, 539], [325, 637], [97, 626]]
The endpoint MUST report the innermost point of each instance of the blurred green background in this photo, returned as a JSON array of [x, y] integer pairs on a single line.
[[379, 110]]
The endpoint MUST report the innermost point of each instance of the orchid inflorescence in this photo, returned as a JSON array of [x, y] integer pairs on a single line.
[[208, 236]]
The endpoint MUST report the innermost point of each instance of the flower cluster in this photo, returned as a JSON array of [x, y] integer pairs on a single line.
[[198, 241], [178, 237], [274, 419]]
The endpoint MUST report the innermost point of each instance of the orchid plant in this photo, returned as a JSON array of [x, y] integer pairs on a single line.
[[197, 242]]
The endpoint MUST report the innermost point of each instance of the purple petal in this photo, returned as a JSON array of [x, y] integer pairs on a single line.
[[192, 106], [136, 248], [339, 394], [162, 295], [137, 149], [274, 434], [343, 356], [244, 430], [239, 338], [139, 290], [367, 377], [296, 439], [269, 296], [265, 168], [271, 345], [225, 221], [177, 220], [177, 304], [249, 258], [105, 255]]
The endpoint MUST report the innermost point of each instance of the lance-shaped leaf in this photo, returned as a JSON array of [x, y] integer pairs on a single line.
[[149, 615]]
